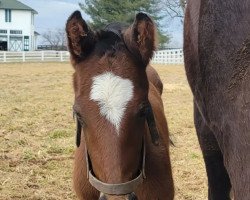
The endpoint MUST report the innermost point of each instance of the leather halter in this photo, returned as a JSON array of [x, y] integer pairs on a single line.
[[120, 188], [106, 188]]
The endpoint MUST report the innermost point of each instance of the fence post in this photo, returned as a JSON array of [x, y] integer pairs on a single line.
[[42, 56], [4, 56], [23, 56], [61, 56]]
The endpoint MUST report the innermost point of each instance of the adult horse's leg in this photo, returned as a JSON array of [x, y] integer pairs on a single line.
[[218, 179]]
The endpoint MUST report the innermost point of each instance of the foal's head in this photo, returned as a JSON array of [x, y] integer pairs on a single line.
[[111, 93]]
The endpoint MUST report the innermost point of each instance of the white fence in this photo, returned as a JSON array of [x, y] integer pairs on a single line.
[[170, 56], [173, 56], [34, 56]]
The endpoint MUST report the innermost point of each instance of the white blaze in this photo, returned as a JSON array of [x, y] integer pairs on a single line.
[[112, 93]]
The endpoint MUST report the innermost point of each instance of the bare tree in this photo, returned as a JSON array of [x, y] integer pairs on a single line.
[[173, 8], [55, 39]]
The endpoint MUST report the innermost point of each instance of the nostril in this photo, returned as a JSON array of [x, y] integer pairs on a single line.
[[132, 196], [103, 197]]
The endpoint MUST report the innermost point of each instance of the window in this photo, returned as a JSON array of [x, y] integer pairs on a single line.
[[16, 32], [3, 31], [7, 15], [26, 43]]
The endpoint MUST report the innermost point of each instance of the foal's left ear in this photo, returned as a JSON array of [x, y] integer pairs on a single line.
[[81, 39], [140, 37]]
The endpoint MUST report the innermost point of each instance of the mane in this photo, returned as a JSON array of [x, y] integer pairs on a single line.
[[110, 38]]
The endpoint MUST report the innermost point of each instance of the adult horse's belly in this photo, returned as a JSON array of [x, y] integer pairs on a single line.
[[217, 57]]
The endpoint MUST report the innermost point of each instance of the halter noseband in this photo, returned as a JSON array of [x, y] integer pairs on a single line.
[[120, 188]]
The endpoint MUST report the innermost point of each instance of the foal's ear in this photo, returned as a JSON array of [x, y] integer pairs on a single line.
[[81, 39], [140, 37]]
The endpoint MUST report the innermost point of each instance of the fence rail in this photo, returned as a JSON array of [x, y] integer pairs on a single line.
[[173, 56], [170, 56], [34, 56]]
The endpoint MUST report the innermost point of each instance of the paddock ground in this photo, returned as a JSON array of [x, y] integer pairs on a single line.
[[37, 132]]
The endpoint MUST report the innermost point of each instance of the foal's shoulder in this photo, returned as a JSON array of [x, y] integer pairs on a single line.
[[154, 78]]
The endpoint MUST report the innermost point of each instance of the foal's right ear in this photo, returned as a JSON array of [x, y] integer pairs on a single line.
[[81, 39]]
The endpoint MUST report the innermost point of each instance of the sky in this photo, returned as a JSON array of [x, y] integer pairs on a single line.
[[53, 14]]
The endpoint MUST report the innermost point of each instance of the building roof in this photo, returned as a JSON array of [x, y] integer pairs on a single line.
[[36, 33], [15, 5]]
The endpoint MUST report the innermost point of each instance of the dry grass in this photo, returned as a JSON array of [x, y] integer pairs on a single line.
[[37, 137]]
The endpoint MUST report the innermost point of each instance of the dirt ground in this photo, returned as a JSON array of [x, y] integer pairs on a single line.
[[37, 138]]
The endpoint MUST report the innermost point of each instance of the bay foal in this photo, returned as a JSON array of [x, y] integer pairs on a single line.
[[122, 132]]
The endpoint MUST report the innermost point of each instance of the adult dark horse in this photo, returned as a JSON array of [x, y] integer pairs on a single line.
[[217, 62], [119, 112]]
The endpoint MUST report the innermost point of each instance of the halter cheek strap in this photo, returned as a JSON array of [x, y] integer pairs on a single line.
[[77, 117]]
